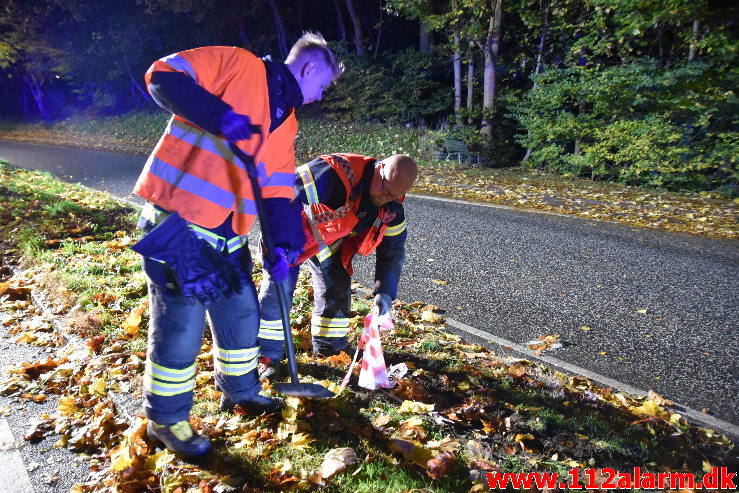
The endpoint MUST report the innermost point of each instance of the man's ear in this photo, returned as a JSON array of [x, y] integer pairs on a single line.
[[307, 69]]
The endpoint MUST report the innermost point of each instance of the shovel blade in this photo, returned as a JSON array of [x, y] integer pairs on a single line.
[[307, 390]]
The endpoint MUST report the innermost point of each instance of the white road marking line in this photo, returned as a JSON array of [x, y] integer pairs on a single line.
[[13, 474]]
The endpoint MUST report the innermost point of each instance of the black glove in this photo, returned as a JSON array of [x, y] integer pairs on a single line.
[[235, 127]]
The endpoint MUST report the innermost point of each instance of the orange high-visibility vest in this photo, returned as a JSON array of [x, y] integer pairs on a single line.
[[193, 172], [326, 229]]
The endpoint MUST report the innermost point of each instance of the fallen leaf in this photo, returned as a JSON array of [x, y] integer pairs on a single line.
[[300, 440], [439, 466], [415, 407], [438, 281], [336, 460]]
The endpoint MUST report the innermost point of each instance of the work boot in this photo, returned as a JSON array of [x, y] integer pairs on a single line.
[[179, 438], [254, 406], [271, 369]]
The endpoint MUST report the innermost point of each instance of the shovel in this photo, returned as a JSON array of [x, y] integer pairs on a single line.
[[294, 388]]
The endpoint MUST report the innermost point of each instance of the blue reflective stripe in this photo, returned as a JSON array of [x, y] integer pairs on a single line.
[[192, 184], [395, 230], [280, 179], [203, 140], [247, 206], [178, 63]]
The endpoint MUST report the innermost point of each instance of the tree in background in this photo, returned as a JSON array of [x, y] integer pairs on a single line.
[[639, 91]]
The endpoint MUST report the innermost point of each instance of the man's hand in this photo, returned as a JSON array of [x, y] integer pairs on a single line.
[[235, 127], [278, 271], [383, 303]]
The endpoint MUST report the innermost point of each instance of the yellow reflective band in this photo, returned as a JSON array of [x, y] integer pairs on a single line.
[[166, 389], [327, 251], [329, 322], [311, 193], [270, 324], [235, 243], [271, 334], [235, 369], [271, 329], [235, 354], [169, 374], [395, 230], [320, 331]]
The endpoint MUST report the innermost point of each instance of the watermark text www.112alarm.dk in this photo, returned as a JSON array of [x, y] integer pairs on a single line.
[[607, 478]]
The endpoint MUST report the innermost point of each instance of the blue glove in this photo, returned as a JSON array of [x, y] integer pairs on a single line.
[[383, 302], [235, 127], [278, 271]]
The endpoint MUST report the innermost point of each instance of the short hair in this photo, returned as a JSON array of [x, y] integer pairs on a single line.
[[314, 45]]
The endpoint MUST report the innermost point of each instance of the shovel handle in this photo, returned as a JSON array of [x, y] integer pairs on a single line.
[[281, 287]]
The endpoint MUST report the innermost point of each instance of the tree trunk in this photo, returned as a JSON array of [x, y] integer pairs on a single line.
[[34, 87], [425, 39], [694, 40], [358, 32], [539, 58], [280, 29], [380, 26], [135, 86], [242, 32], [457, 82], [490, 48], [470, 84], [340, 22]]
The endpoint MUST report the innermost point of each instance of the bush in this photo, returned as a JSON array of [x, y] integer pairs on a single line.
[[402, 87], [638, 124]]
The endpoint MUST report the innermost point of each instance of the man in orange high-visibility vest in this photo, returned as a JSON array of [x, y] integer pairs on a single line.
[[199, 212], [352, 204]]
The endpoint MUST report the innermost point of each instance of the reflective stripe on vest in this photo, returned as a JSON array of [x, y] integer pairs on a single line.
[[194, 172]]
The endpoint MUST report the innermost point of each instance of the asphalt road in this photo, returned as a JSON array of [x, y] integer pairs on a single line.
[[662, 308]]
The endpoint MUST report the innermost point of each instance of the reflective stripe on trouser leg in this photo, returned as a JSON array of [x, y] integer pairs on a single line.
[[332, 296], [235, 362], [271, 332], [329, 327], [234, 323], [175, 336], [160, 380]]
